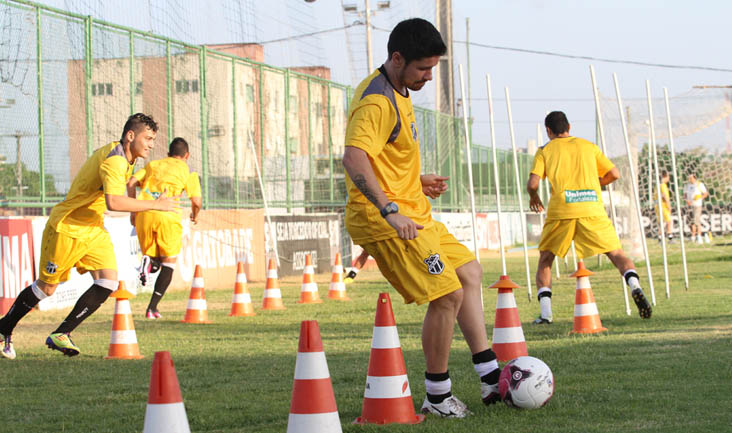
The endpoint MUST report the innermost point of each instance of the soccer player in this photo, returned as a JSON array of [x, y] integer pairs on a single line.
[[389, 215], [577, 170], [160, 233], [75, 234], [695, 194], [666, 205]]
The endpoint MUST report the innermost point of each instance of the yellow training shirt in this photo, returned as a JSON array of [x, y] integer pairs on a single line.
[[574, 167], [168, 174], [664, 193], [105, 172], [381, 122]]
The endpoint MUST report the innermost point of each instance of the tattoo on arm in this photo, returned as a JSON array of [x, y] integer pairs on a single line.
[[360, 181]]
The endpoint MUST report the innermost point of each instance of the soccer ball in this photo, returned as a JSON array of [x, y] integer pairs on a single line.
[[526, 382]]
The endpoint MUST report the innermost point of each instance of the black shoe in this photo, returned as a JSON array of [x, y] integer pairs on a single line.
[[542, 321], [644, 308]]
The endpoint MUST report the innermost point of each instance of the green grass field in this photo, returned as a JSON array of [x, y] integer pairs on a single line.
[[672, 373]]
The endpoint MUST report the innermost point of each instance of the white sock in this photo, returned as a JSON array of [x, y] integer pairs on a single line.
[[484, 368], [632, 281], [545, 302]]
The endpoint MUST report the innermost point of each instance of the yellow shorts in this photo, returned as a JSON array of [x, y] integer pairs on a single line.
[[60, 253], [666, 212], [422, 269], [591, 235], [159, 236]]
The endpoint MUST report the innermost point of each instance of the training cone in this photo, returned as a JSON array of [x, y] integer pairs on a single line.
[[196, 311], [123, 342], [272, 295], [309, 290], [586, 316], [337, 288], [241, 305], [508, 336], [165, 411], [387, 398], [313, 407]]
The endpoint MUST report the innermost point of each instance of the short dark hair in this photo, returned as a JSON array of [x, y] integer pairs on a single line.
[[136, 122], [178, 147], [416, 39], [557, 122], [664, 173]]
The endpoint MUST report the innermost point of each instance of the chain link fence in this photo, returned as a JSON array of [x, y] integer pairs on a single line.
[[68, 83]]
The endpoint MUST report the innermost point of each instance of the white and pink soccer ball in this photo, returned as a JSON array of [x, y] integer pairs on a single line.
[[526, 382]]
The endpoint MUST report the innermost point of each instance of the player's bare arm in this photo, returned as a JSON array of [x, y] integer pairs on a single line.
[[121, 203], [196, 204], [532, 187], [358, 167], [132, 193], [610, 177], [433, 185]]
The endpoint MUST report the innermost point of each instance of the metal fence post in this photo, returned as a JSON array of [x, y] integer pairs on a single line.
[[204, 126], [41, 144], [310, 144], [330, 149], [88, 83], [288, 176], [233, 132], [169, 90], [132, 73], [261, 126]]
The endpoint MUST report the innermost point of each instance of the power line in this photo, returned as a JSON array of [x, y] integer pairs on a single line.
[[306, 35], [578, 57]]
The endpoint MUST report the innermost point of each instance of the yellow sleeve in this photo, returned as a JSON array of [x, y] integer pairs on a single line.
[[113, 172], [193, 186], [538, 167], [603, 163], [370, 125]]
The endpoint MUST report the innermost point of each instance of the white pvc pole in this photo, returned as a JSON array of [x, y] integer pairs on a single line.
[[518, 189], [676, 186], [574, 256], [652, 143], [470, 172], [635, 188], [495, 173], [603, 146], [548, 198], [272, 233]]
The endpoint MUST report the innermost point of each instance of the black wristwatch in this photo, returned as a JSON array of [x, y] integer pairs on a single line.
[[390, 208]]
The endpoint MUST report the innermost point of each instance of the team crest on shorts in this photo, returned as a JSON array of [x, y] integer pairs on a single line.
[[434, 264], [51, 268]]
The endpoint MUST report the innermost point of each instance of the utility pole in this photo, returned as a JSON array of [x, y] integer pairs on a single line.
[[445, 92], [369, 51]]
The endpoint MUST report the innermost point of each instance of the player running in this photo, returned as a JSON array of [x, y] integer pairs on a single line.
[[75, 236], [389, 215], [576, 169], [160, 233], [665, 213]]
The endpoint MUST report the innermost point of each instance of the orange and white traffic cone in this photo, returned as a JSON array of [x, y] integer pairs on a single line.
[[313, 407], [586, 316], [241, 305], [165, 410], [387, 398], [309, 289], [508, 335], [196, 311], [272, 295], [337, 289], [123, 342]]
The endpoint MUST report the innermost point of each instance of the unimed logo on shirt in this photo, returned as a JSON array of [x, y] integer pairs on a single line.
[[580, 195]]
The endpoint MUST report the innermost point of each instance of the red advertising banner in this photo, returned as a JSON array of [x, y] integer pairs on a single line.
[[16, 259]]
